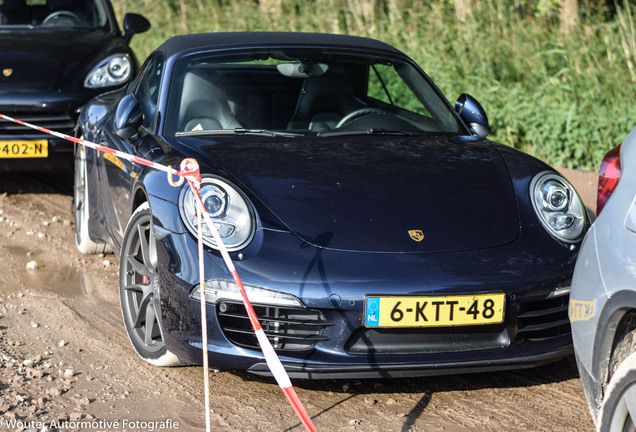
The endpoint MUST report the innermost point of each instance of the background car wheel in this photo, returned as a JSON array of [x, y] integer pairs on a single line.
[[618, 410], [81, 210], [139, 290]]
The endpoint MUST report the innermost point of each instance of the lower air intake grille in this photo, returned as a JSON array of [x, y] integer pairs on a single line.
[[288, 329], [57, 122], [544, 319]]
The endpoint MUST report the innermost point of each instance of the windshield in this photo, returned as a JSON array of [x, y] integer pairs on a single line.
[[52, 13], [303, 91]]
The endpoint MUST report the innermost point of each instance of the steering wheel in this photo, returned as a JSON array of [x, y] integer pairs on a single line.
[[62, 18], [357, 113]]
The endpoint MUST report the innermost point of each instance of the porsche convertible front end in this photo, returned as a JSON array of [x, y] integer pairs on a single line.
[[338, 305], [376, 230]]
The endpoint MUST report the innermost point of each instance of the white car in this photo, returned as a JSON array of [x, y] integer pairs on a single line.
[[602, 305]]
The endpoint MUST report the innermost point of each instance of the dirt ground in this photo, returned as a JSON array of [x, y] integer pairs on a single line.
[[66, 363]]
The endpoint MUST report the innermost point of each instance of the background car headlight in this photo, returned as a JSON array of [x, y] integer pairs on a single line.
[[558, 206], [229, 211], [111, 71]]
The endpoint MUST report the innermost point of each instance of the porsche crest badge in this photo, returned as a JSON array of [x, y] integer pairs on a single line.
[[416, 235], [7, 72]]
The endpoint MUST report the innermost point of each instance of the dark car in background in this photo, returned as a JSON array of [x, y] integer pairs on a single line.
[[56, 55], [377, 232]]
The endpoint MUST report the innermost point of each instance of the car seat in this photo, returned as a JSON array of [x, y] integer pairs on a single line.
[[204, 105], [323, 101]]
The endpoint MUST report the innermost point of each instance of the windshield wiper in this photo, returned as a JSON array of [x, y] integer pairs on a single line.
[[238, 131], [370, 131], [242, 131]]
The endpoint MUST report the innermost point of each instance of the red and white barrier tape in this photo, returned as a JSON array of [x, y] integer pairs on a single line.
[[189, 170], [273, 362]]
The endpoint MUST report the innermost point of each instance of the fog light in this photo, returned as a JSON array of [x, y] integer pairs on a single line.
[[217, 290]]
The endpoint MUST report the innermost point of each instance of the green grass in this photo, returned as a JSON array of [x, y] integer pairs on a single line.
[[566, 98]]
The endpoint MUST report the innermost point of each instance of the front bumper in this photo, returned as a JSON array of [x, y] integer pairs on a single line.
[[585, 306], [60, 156], [402, 370], [56, 111], [334, 283]]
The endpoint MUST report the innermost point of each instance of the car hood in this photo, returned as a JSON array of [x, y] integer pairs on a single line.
[[379, 194], [42, 60]]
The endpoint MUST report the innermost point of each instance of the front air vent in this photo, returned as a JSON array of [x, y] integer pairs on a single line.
[[56, 122], [544, 319], [288, 329]]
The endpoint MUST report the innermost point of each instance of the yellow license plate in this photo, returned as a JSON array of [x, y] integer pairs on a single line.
[[24, 149], [434, 311]]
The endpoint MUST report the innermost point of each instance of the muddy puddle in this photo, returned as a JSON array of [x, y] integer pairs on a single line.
[[63, 281], [69, 283]]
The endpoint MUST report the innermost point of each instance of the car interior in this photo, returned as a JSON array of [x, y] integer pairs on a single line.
[[261, 97]]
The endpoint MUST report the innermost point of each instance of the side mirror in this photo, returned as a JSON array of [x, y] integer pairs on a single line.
[[133, 24], [473, 115], [128, 117]]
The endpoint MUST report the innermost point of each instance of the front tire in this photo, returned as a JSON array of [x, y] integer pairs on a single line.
[[139, 290], [618, 410]]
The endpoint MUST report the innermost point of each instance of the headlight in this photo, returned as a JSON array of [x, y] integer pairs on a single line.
[[229, 211], [111, 71], [558, 206]]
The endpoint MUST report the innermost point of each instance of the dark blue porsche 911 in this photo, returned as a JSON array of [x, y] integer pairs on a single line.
[[376, 230]]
